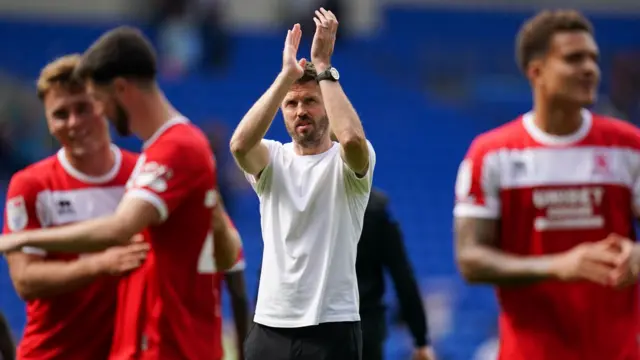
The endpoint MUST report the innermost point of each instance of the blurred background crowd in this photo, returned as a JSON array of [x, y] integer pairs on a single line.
[[426, 76]]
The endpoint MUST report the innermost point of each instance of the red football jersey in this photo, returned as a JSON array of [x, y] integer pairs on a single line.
[[552, 193], [77, 325], [171, 299]]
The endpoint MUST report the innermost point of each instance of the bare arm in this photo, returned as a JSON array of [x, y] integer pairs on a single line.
[[480, 261], [240, 306], [245, 143], [343, 119], [227, 240], [250, 154], [346, 126], [131, 217], [34, 277]]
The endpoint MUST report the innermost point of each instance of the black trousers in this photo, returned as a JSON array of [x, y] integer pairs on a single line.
[[374, 333], [327, 341]]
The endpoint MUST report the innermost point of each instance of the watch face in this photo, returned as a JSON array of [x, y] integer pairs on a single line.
[[334, 73]]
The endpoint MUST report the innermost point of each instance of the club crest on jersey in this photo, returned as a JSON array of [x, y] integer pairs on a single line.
[[17, 217], [601, 164], [153, 176]]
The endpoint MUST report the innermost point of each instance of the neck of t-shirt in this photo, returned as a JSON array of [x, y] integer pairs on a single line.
[[310, 151]]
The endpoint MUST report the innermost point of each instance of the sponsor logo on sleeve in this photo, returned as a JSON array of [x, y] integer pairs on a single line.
[[153, 176], [17, 216]]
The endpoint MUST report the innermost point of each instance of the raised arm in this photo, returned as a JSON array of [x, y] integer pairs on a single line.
[[477, 234], [343, 119], [250, 154]]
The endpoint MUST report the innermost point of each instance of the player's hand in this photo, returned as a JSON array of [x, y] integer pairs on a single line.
[[324, 39], [119, 260], [589, 261], [293, 68], [628, 262], [424, 353]]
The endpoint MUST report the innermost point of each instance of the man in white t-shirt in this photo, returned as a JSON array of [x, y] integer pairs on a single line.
[[313, 193]]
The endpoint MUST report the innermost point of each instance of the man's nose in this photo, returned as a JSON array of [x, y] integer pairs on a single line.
[[74, 121], [301, 112]]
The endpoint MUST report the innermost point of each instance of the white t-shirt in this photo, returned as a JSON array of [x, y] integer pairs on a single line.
[[312, 209]]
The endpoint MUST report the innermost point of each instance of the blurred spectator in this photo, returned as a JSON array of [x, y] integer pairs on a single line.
[[215, 40], [625, 85], [190, 35], [24, 137]]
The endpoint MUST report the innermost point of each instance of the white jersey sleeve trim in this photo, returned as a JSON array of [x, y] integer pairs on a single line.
[[239, 266], [475, 211], [360, 184], [34, 251], [153, 199], [262, 183]]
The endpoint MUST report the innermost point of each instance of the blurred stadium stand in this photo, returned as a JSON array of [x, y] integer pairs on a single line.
[[424, 78]]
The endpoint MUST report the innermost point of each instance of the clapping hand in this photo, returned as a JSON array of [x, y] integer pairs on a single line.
[[324, 39], [293, 68]]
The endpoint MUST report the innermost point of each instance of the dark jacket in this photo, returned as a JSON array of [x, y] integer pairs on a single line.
[[381, 249]]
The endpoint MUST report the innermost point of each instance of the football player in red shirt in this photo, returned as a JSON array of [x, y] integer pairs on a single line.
[[167, 307], [68, 295], [545, 208]]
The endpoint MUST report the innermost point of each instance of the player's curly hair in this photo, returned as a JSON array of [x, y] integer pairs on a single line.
[[535, 35], [310, 74], [59, 74]]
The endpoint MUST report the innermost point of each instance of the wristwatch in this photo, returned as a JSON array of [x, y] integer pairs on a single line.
[[330, 74]]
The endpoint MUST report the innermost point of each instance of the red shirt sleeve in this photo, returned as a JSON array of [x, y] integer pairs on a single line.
[[165, 177], [477, 185], [21, 209]]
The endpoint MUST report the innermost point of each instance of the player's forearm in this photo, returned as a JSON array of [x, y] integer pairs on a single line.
[[45, 279], [345, 124], [86, 236], [240, 308], [258, 119], [483, 264], [343, 119], [226, 247]]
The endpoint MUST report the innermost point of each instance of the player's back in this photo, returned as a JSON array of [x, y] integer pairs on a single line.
[[555, 193], [177, 170], [52, 193]]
